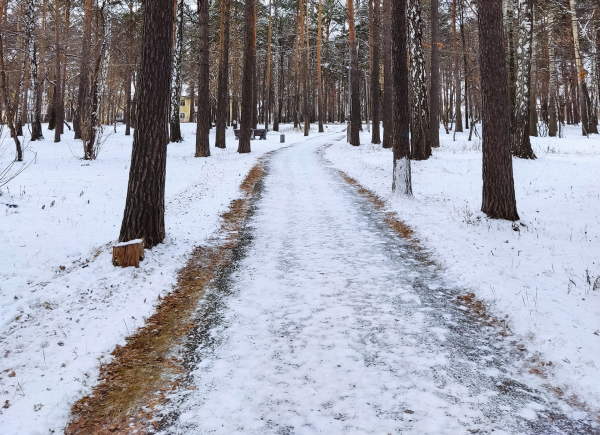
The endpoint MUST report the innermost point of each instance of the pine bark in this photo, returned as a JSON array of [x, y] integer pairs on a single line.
[[144, 215], [434, 98], [222, 94], [247, 79], [57, 103], [203, 122], [84, 71], [375, 85], [129, 70], [498, 200], [401, 176], [354, 79], [388, 128], [36, 122], [319, 74]]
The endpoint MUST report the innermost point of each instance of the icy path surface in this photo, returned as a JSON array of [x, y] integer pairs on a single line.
[[330, 323]]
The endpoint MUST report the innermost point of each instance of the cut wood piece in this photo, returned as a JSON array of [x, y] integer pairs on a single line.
[[127, 254]]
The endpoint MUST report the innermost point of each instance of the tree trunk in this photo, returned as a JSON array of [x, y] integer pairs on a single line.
[[552, 121], [248, 73], [520, 143], [36, 123], [581, 73], [84, 72], [533, 115], [434, 99], [203, 123], [144, 215], [57, 103], [354, 78], [222, 91], [6, 102], [305, 68], [419, 124], [498, 185], [254, 71], [174, 123], [375, 87], [457, 88], [401, 177], [319, 74], [388, 128]]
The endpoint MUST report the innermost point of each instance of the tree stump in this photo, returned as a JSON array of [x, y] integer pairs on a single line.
[[127, 254]]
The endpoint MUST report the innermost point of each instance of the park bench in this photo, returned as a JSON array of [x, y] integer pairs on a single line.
[[260, 133]]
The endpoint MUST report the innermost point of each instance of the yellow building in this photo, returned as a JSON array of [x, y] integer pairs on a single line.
[[184, 109]]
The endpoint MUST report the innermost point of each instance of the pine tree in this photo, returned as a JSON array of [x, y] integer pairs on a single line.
[[144, 215], [222, 91], [498, 185], [203, 123], [248, 75]]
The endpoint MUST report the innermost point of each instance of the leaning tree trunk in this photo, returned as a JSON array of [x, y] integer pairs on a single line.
[[247, 73], [174, 124], [223, 78], [519, 138], [375, 87], [553, 88], [144, 216], [388, 87], [498, 185], [419, 124], [434, 98], [84, 71], [401, 177], [203, 123], [354, 80]]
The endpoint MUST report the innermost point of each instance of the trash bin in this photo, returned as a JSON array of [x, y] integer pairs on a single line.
[[281, 138]]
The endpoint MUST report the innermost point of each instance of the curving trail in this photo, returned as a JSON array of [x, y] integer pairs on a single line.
[[330, 323]]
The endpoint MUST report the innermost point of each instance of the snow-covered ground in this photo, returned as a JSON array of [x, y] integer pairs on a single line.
[[63, 306], [331, 323], [544, 273]]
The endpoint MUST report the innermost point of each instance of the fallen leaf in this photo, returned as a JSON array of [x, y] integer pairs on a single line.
[[12, 374]]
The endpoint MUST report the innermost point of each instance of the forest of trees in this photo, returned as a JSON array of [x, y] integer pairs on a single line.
[[411, 65]]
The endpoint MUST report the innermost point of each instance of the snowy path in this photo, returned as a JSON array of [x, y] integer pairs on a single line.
[[332, 324]]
